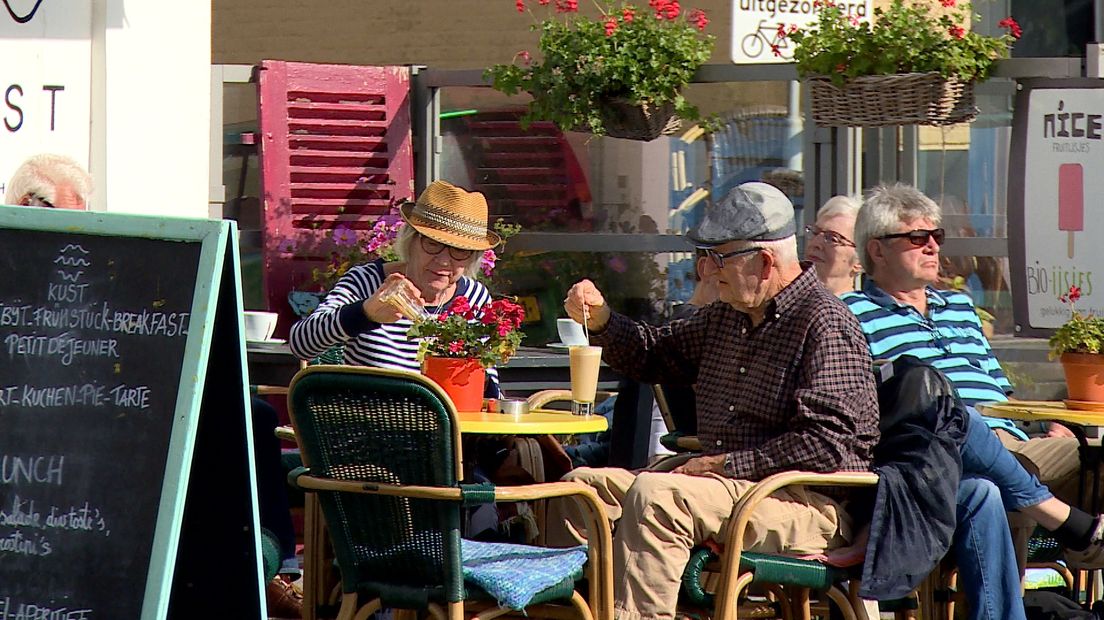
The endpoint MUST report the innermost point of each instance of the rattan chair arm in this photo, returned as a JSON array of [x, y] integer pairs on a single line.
[[272, 390], [538, 400], [745, 507], [689, 442]]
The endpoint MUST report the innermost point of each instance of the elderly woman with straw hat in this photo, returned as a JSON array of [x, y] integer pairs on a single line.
[[445, 236]]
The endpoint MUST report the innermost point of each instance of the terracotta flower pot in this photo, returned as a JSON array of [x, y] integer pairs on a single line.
[[1084, 376], [461, 379]]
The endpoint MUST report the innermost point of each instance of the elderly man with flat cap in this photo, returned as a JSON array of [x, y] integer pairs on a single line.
[[783, 382]]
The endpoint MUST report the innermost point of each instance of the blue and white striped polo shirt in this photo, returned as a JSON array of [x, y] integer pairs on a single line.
[[949, 339]]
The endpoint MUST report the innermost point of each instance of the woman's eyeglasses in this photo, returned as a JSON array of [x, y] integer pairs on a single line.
[[36, 200], [719, 258], [436, 247], [919, 238], [830, 237]]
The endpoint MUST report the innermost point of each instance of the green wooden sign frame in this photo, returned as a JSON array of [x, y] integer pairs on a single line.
[[215, 335]]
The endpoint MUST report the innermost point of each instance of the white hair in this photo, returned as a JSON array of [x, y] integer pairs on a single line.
[[884, 208], [404, 243], [784, 250], [42, 174], [839, 205]]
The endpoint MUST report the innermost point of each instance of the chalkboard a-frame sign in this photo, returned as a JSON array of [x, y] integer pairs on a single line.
[[127, 487]]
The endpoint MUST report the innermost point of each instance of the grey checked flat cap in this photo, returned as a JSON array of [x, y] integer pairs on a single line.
[[750, 212]]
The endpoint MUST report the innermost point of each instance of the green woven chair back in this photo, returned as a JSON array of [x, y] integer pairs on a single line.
[[356, 426]]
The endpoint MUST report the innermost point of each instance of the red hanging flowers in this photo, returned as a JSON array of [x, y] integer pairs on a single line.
[[489, 333], [610, 25], [520, 4], [1013, 27], [957, 31], [567, 6], [947, 3]]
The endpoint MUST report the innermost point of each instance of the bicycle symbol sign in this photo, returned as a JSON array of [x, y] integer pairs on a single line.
[[756, 25]]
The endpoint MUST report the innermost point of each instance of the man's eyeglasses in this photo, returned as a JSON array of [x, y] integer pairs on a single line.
[[434, 248], [830, 237], [919, 238], [719, 258]]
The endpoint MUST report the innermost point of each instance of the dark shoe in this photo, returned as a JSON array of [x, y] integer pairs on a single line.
[[284, 600]]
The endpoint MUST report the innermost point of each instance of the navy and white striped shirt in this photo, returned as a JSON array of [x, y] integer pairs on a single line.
[[949, 338], [340, 320]]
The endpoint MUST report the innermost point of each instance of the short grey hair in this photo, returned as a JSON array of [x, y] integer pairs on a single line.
[[42, 174], [839, 205], [783, 250], [404, 243], [884, 208]]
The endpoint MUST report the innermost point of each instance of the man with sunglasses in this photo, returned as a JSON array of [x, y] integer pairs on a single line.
[[783, 382], [898, 232]]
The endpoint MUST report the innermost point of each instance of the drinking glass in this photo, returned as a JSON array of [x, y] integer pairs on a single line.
[[585, 362], [404, 301]]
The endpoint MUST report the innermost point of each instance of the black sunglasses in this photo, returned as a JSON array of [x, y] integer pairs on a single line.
[[719, 258], [36, 200], [830, 237], [434, 248], [919, 238]]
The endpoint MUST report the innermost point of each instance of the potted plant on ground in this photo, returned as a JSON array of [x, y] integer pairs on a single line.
[[915, 64], [1078, 343], [458, 344], [618, 74]]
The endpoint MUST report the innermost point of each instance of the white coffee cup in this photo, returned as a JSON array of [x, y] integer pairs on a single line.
[[259, 326], [571, 333]]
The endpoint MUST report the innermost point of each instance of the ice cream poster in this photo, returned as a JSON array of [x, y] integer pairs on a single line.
[[1064, 203]]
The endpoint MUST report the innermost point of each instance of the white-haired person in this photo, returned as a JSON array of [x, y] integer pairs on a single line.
[[49, 180], [831, 247], [445, 235]]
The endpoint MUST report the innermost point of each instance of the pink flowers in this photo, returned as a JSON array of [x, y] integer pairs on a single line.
[[343, 236], [1013, 27], [487, 262], [628, 14]]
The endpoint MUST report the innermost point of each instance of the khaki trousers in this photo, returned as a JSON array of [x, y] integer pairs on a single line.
[[1056, 463], [658, 517]]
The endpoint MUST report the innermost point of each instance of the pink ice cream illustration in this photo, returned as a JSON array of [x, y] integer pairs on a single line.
[[1071, 201]]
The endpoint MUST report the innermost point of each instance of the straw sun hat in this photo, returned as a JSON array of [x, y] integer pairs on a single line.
[[452, 216]]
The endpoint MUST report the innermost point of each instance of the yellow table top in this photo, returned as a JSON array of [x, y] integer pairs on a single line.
[[536, 422], [1041, 411]]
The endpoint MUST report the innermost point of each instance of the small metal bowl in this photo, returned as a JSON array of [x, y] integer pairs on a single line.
[[513, 406]]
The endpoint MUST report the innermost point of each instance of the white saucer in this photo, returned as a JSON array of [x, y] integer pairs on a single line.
[[273, 342]]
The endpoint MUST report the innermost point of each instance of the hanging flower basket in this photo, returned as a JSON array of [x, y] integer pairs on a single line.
[[884, 100], [623, 119]]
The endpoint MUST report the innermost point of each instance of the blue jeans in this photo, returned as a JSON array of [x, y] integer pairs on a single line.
[[987, 570], [984, 456]]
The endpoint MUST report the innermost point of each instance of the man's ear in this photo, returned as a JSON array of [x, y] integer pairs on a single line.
[[769, 263], [875, 251]]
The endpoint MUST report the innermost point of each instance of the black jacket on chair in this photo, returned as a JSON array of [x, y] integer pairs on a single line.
[[918, 461]]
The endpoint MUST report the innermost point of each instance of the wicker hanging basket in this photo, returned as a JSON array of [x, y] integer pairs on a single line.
[[883, 100], [623, 119]]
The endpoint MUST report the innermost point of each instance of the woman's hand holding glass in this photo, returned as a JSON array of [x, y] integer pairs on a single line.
[[396, 298]]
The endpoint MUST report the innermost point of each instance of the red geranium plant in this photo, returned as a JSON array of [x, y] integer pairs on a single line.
[[489, 333]]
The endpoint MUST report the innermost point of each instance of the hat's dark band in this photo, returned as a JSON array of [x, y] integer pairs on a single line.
[[443, 220]]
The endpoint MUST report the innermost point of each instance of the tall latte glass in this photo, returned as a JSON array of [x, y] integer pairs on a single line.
[[585, 362]]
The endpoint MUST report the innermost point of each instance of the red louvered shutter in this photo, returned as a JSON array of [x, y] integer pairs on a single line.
[[335, 150]]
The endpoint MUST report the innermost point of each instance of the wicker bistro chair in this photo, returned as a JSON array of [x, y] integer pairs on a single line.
[[790, 580], [381, 449]]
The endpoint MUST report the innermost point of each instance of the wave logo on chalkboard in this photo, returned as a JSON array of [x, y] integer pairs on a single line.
[[26, 16], [72, 259]]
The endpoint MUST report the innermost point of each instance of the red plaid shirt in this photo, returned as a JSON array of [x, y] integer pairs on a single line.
[[795, 393]]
